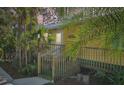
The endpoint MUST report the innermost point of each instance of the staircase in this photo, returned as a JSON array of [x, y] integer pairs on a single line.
[[2, 81], [5, 78]]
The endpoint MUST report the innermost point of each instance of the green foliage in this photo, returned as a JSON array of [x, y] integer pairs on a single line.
[[116, 78], [18, 31], [101, 77], [50, 38], [1, 53], [7, 39], [94, 22], [41, 30], [61, 11], [29, 70]]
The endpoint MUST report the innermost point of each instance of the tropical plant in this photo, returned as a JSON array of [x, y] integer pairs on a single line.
[[29, 70], [18, 30], [6, 35], [117, 78], [25, 26], [102, 77], [95, 22]]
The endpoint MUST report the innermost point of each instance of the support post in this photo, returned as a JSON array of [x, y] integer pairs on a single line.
[[39, 63], [39, 56], [53, 69]]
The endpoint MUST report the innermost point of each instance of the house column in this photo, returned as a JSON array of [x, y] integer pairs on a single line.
[[59, 38]]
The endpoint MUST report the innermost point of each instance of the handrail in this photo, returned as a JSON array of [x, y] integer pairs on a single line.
[[100, 48]]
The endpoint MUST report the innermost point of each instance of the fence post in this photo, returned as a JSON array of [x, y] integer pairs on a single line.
[[39, 63], [53, 69]]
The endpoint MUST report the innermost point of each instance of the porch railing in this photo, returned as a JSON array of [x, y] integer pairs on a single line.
[[99, 58]]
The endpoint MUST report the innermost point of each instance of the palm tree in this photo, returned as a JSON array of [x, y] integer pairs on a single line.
[[93, 22]]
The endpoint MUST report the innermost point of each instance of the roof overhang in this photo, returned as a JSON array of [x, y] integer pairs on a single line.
[[53, 26]]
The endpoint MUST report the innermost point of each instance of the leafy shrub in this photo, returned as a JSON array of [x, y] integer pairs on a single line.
[[102, 77], [116, 78], [29, 70]]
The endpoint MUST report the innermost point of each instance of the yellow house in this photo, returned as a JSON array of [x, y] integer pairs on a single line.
[[61, 35], [55, 31]]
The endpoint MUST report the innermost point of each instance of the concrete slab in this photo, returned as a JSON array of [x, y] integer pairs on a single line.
[[5, 75], [31, 81]]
